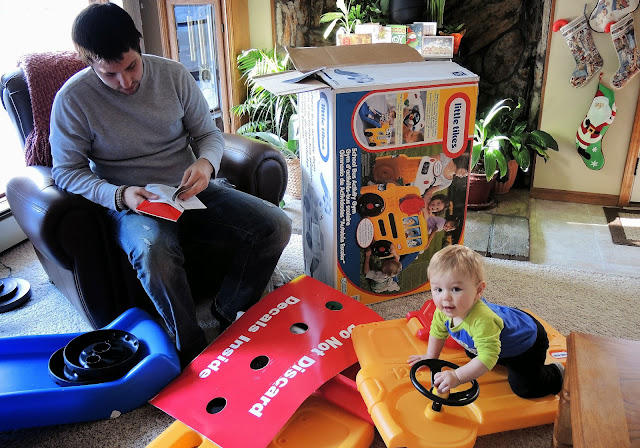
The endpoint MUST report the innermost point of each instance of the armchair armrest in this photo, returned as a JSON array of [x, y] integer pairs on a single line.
[[254, 167], [40, 207]]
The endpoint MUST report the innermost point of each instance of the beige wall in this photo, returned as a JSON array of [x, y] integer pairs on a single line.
[[260, 23], [564, 107]]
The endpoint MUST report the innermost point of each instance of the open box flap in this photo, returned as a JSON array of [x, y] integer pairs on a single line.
[[387, 74], [306, 59], [289, 82]]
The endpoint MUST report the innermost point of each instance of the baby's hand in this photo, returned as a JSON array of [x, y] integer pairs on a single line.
[[446, 380], [415, 358]]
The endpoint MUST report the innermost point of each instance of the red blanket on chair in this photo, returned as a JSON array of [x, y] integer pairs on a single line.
[[45, 74]]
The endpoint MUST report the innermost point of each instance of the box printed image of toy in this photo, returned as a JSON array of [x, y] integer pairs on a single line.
[[410, 191], [398, 119], [411, 205], [384, 154]]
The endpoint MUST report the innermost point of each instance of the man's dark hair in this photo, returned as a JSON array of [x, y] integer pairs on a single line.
[[104, 32]]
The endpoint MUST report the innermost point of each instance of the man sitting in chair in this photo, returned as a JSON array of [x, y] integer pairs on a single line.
[[129, 120]]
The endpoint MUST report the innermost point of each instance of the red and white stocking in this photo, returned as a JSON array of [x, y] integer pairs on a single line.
[[584, 51], [624, 41], [608, 12]]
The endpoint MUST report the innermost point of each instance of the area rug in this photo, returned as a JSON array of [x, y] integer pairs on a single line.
[[498, 236], [624, 225], [568, 299]]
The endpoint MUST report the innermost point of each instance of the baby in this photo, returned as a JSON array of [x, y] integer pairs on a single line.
[[491, 334]]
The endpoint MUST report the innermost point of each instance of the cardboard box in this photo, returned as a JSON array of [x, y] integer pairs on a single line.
[[378, 127]]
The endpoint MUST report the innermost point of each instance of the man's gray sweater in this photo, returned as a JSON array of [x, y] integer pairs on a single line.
[[101, 139]]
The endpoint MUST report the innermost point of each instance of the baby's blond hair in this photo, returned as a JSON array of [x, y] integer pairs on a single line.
[[457, 258], [391, 267]]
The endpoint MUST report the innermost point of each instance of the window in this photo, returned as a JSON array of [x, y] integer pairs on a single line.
[[23, 34], [196, 49], [192, 33]]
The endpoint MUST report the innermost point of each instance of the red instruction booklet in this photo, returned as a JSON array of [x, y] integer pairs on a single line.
[[167, 206]]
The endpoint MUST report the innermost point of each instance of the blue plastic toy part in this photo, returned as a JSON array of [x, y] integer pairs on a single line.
[[29, 396]]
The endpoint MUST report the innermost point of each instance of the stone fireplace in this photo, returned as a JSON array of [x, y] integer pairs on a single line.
[[505, 42]]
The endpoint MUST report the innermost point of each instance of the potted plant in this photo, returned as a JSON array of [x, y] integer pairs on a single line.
[[500, 140], [270, 118], [457, 31], [434, 11], [349, 15]]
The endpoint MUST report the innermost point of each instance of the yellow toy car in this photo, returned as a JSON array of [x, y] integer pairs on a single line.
[[395, 215], [406, 416], [379, 136]]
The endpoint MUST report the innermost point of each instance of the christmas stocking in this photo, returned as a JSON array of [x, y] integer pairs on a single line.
[[607, 12], [624, 41], [584, 51], [592, 129]]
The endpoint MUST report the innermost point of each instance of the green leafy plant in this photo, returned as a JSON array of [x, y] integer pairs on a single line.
[[452, 29], [435, 11], [349, 15], [500, 136], [269, 116]]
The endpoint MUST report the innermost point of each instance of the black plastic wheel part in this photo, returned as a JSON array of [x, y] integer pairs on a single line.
[[59, 373], [14, 292], [462, 398], [101, 355]]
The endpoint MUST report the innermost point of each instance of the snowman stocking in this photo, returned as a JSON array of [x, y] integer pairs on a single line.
[[584, 51], [592, 129], [624, 41]]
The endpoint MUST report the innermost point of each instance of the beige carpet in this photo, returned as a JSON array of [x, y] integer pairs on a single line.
[[570, 300]]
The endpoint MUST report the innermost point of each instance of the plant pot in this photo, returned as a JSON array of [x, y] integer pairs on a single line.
[[479, 196], [457, 38], [405, 11], [294, 178], [512, 172]]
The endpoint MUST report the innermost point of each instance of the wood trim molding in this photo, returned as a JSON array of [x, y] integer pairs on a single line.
[[579, 197], [546, 62], [628, 174], [164, 29], [238, 39], [274, 38]]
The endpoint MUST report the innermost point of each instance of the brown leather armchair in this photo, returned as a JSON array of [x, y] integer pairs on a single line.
[[69, 233]]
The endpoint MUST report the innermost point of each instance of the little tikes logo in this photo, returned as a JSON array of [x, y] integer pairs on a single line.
[[456, 119], [322, 137]]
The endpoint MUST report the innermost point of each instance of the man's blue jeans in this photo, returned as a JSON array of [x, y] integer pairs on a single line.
[[254, 230]]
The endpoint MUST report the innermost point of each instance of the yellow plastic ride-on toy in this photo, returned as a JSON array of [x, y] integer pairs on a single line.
[[395, 215], [379, 136], [408, 413]]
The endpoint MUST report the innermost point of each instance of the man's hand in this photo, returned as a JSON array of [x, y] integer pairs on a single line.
[[133, 196], [195, 179]]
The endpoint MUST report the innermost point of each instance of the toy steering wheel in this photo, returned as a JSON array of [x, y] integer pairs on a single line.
[[461, 398]]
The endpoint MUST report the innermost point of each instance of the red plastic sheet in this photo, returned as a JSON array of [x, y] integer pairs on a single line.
[[245, 386]]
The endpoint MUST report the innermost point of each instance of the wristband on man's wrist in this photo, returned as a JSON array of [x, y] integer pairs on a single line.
[[120, 203]]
